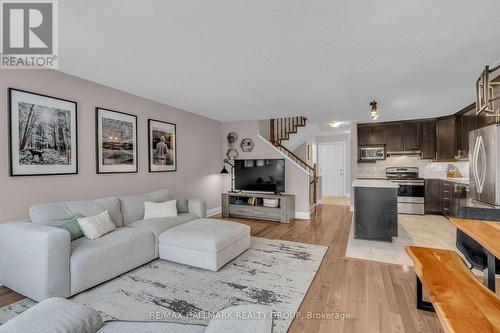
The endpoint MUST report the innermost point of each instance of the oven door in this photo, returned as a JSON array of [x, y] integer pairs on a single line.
[[411, 192], [411, 197]]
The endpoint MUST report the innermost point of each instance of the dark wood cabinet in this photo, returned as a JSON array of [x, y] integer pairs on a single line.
[[428, 139], [446, 198], [446, 143], [394, 136], [410, 135], [364, 134], [371, 134], [466, 122], [433, 196], [378, 135]]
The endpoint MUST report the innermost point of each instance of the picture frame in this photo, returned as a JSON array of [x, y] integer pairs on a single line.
[[162, 146], [116, 142], [43, 134]]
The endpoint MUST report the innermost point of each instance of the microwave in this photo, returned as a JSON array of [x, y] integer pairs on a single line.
[[372, 153]]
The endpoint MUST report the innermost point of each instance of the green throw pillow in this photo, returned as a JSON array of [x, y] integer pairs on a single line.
[[73, 228], [182, 205]]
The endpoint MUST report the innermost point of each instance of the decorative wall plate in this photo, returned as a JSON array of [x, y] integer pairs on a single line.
[[232, 154], [232, 137], [246, 145]]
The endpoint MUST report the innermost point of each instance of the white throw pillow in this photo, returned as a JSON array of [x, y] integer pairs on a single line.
[[154, 210], [94, 227]]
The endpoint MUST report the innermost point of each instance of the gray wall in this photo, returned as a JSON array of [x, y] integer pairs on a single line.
[[199, 150]]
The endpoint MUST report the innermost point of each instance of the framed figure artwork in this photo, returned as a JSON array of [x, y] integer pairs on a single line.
[[162, 146]]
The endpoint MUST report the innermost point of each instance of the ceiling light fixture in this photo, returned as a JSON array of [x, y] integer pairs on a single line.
[[374, 111], [335, 124]]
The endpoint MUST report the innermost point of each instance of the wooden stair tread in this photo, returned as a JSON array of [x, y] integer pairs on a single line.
[[461, 301]]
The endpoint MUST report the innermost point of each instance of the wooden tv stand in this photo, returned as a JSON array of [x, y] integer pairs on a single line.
[[284, 213]]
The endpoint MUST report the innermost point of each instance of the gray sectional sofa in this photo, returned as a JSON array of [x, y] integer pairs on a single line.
[[61, 315], [40, 261]]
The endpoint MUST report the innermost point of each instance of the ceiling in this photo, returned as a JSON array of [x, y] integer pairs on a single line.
[[238, 59]]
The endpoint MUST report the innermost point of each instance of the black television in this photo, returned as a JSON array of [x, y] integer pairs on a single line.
[[263, 175]]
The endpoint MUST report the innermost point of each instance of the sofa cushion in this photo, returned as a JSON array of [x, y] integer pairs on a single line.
[[72, 227], [53, 213], [182, 205], [207, 235], [95, 261], [132, 207], [155, 210], [55, 315], [157, 226], [94, 227]]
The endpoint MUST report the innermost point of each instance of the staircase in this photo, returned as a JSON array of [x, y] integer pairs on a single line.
[[279, 131]]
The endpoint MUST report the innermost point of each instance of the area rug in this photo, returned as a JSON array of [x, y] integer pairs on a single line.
[[275, 273]]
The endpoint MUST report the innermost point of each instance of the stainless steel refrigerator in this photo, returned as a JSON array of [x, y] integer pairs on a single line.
[[484, 167]]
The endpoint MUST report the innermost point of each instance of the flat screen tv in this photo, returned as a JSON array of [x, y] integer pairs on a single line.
[[267, 175]]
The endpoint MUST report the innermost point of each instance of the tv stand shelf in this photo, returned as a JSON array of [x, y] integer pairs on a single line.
[[237, 205]]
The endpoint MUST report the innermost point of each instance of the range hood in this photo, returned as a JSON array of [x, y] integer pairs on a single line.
[[404, 153]]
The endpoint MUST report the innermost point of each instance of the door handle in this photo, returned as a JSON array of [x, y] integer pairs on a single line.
[[482, 175], [474, 164]]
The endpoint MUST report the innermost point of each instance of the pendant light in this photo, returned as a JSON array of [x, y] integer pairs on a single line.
[[374, 111]]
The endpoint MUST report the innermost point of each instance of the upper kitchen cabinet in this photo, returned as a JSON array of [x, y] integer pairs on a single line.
[[428, 138], [410, 136], [378, 135], [371, 134], [466, 122], [446, 141], [364, 134], [394, 136]]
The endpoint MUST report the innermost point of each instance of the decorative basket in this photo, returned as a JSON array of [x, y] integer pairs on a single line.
[[272, 203]]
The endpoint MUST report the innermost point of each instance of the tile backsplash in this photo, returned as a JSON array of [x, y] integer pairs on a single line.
[[427, 168]]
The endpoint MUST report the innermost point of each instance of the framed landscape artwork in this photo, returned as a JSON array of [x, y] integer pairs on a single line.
[[42, 134], [116, 141], [162, 146]]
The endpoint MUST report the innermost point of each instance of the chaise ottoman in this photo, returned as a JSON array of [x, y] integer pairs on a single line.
[[204, 243]]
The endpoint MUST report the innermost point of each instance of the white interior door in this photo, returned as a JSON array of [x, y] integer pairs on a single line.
[[331, 162]]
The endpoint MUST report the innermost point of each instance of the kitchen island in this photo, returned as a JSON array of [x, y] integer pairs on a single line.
[[375, 209]]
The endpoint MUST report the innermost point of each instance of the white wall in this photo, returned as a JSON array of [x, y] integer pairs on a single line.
[[297, 180]]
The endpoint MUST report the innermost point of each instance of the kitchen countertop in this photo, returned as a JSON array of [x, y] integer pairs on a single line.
[[371, 177], [463, 180], [378, 183]]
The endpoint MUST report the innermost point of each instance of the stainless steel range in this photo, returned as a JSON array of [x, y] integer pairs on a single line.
[[411, 192]]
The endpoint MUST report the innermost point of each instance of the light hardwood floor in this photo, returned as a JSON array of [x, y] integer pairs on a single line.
[[378, 297]]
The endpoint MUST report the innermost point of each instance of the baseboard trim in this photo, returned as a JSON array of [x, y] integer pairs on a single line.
[[302, 215], [214, 211]]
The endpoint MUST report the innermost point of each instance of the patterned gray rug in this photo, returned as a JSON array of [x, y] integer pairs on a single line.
[[272, 272]]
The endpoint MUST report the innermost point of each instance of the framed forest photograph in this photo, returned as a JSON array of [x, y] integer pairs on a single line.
[[116, 141], [162, 144], [42, 134]]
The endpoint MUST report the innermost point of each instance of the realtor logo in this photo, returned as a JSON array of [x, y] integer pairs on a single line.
[[29, 34]]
